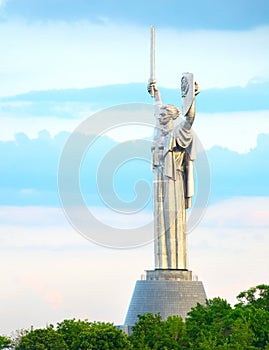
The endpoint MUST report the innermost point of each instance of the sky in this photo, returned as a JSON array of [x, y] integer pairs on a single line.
[[66, 67]]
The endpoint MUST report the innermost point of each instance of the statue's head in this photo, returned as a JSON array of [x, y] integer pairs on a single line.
[[168, 113]]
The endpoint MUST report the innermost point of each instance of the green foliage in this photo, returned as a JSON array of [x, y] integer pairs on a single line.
[[42, 339], [4, 342], [256, 296], [213, 326], [83, 335], [150, 332], [105, 336], [146, 332], [73, 331], [16, 336], [257, 320], [207, 325], [173, 333], [239, 335], [219, 326]]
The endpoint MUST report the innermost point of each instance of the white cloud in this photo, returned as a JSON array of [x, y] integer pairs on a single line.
[[119, 220], [236, 131], [31, 216], [229, 260], [239, 212], [228, 250], [31, 126], [59, 55], [51, 272]]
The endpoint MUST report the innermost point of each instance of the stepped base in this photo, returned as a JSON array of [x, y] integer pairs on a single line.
[[165, 274], [167, 296]]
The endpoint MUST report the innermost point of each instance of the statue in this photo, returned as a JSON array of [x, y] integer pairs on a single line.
[[170, 289], [173, 154]]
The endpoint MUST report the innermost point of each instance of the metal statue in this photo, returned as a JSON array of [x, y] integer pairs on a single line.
[[173, 154]]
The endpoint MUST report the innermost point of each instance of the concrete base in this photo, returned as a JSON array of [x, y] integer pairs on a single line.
[[165, 274], [169, 297]]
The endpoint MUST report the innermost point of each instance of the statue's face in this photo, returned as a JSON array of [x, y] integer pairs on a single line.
[[164, 117]]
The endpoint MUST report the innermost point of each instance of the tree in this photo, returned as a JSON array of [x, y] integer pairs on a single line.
[[42, 339], [217, 325], [146, 332], [239, 335], [16, 336], [207, 325], [213, 326], [72, 330], [173, 334], [106, 336], [256, 296], [254, 306], [84, 335], [5, 342], [151, 332]]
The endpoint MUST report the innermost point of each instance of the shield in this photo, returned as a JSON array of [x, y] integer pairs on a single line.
[[187, 92]]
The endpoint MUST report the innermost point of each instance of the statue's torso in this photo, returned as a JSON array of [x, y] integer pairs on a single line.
[[164, 147]]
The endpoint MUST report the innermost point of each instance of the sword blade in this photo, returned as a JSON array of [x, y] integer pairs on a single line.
[[152, 59], [152, 53]]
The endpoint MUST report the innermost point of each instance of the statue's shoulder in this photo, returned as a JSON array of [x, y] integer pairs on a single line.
[[181, 128]]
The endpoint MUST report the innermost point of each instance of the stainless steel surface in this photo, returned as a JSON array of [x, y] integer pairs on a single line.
[[173, 154]]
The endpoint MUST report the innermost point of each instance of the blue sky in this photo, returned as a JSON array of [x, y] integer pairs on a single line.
[[63, 61], [209, 14]]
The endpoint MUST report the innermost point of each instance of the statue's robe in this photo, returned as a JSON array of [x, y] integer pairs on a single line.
[[173, 158]]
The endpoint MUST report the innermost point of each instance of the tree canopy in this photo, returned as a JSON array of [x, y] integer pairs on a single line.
[[213, 326], [84, 335], [4, 342]]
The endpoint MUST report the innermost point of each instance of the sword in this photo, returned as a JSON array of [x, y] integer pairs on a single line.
[[152, 59]]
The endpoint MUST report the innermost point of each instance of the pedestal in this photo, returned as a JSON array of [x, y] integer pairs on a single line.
[[169, 292]]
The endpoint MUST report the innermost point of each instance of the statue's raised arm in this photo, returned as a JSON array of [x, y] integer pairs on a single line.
[[189, 89]]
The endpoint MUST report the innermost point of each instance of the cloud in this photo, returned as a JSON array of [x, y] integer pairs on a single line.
[[229, 111], [74, 103], [234, 174], [54, 297], [31, 216], [229, 260], [52, 273], [241, 113], [228, 249], [32, 228], [243, 212], [43, 228], [81, 54], [236, 131], [45, 261], [46, 228], [30, 166], [33, 281]]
